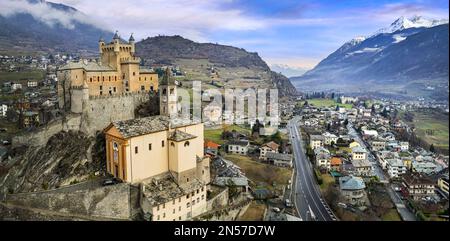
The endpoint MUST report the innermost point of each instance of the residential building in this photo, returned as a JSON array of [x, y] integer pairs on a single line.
[[268, 130], [336, 164], [322, 157], [353, 144], [329, 138], [268, 147], [395, 167], [352, 189], [279, 159], [443, 184], [316, 141], [31, 84], [378, 145], [424, 167], [238, 147], [362, 167], [211, 148], [370, 133], [417, 186], [359, 153], [404, 146], [3, 110]]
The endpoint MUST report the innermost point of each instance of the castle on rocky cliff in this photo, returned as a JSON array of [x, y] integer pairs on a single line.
[[116, 72]]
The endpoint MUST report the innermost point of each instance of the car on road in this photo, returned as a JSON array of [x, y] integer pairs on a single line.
[[288, 203], [111, 181]]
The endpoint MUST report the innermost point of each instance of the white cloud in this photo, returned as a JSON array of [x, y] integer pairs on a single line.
[[43, 12], [194, 19]]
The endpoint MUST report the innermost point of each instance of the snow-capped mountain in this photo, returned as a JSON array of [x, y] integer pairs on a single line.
[[403, 59], [414, 22], [288, 70]]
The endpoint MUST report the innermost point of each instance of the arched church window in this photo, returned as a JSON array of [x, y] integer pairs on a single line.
[[186, 143]]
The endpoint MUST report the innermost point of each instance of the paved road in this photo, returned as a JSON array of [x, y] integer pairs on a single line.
[[376, 168], [309, 203]]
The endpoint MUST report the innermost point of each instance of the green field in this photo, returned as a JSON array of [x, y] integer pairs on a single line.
[[432, 126], [391, 215], [325, 103], [23, 75], [215, 135], [261, 173]]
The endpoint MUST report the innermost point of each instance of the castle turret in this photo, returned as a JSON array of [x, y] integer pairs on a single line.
[[116, 41], [101, 43], [131, 42]]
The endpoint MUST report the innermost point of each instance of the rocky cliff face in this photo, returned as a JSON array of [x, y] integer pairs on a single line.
[[226, 66], [68, 157]]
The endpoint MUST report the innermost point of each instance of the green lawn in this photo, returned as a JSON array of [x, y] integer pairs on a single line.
[[261, 173], [325, 103], [215, 135], [391, 215], [327, 180], [23, 75], [432, 126]]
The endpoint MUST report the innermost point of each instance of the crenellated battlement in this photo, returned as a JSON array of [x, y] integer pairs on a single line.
[[124, 94]]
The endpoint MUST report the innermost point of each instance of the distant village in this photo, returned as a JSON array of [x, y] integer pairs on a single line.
[[363, 154]]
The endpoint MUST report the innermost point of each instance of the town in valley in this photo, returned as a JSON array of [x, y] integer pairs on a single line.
[[96, 129]]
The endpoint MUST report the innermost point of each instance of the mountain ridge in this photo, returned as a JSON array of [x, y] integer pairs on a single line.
[[405, 62]]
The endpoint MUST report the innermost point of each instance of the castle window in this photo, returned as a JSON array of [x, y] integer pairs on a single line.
[[90, 79], [162, 143], [101, 92], [186, 143], [109, 78], [101, 87], [139, 78], [187, 180], [98, 78], [134, 73], [115, 78], [164, 91], [114, 89], [151, 88], [172, 144], [142, 87], [103, 78], [136, 150], [171, 91], [151, 78], [145, 78], [173, 211], [150, 146], [188, 204], [123, 77]]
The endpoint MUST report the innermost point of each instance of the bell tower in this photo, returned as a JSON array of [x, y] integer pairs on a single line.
[[168, 95]]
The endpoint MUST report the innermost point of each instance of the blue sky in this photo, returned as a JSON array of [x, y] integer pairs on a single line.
[[294, 32]]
